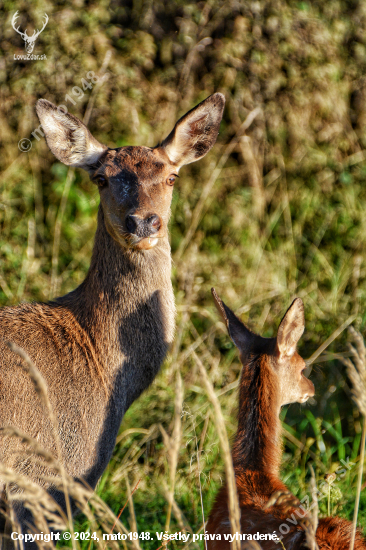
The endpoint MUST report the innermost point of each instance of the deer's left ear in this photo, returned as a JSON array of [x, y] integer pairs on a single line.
[[68, 138], [238, 332], [291, 329], [196, 132]]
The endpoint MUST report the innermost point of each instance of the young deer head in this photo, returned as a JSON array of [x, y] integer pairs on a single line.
[[135, 183], [272, 376], [279, 353]]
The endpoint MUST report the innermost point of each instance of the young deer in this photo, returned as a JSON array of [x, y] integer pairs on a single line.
[[272, 376], [101, 345]]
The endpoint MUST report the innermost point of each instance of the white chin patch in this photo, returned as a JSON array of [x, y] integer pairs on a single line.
[[147, 243], [153, 242]]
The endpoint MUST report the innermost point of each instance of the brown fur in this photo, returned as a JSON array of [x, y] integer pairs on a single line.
[[269, 366], [101, 345]]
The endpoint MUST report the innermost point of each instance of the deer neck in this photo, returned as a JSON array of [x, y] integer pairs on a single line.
[[126, 294], [257, 445]]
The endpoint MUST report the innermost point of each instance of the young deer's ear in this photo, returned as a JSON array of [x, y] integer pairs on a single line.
[[196, 132], [291, 329], [68, 138], [238, 332]]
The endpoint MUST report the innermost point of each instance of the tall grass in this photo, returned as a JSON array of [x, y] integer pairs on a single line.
[[275, 210]]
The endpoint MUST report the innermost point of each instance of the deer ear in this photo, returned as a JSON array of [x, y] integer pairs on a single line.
[[238, 332], [291, 329], [196, 132], [68, 138]]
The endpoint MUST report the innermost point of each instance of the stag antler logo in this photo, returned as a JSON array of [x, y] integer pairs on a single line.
[[29, 40]]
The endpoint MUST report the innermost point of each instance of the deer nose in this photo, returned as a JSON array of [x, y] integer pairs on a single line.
[[131, 223], [154, 223], [142, 227]]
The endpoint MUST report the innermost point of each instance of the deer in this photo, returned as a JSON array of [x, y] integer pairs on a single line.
[[272, 376], [29, 41], [101, 345]]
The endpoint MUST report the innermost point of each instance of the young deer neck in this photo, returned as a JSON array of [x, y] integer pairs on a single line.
[[257, 445]]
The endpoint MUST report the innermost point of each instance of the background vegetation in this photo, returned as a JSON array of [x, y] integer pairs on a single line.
[[275, 210]]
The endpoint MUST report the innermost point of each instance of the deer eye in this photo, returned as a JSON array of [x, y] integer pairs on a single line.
[[101, 181], [170, 181]]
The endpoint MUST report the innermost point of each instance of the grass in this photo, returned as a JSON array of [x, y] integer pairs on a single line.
[[276, 210]]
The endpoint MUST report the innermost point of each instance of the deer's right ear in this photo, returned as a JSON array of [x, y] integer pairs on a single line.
[[238, 332], [291, 329], [196, 132], [68, 138]]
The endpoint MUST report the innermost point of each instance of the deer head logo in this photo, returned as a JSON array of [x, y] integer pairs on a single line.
[[29, 40]]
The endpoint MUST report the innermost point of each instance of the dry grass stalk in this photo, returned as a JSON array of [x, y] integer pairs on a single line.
[[102, 78], [133, 522], [315, 507], [47, 512], [308, 525], [286, 501], [356, 370], [42, 392], [12, 524], [133, 454], [254, 176], [234, 509], [195, 344], [329, 340], [175, 443], [105, 517], [178, 514], [34, 497], [356, 272], [200, 484], [204, 432], [303, 448], [122, 509], [206, 191], [187, 275]]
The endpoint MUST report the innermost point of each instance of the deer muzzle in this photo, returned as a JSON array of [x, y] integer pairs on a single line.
[[310, 391], [146, 229]]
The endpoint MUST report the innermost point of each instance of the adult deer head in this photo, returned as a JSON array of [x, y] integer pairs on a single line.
[[135, 183]]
